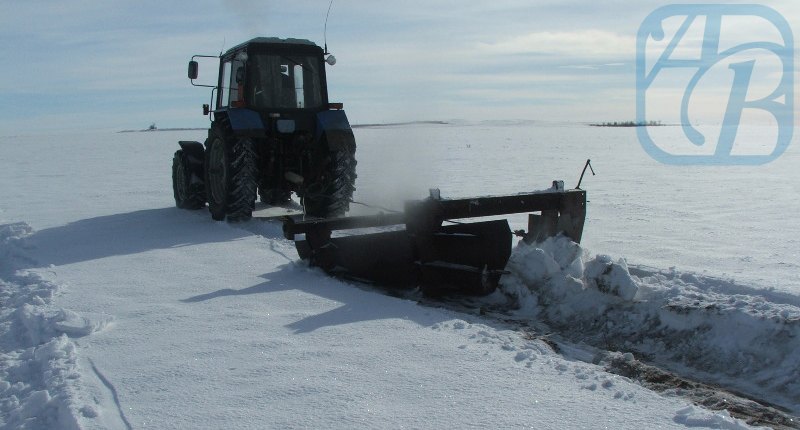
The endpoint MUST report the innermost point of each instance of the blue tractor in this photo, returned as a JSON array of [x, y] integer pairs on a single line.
[[273, 132]]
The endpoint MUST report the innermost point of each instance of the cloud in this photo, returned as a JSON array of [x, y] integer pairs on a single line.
[[589, 44], [592, 66], [421, 59]]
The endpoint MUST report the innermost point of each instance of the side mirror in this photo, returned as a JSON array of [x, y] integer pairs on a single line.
[[331, 60], [193, 69], [206, 109]]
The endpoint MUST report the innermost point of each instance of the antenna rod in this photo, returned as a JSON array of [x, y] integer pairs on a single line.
[[325, 33]]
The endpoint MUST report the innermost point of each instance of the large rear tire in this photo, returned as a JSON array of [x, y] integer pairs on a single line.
[[188, 189], [330, 195], [231, 172]]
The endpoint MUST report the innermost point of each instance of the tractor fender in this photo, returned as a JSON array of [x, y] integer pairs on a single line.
[[334, 127], [195, 155], [245, 122], [194, 150]]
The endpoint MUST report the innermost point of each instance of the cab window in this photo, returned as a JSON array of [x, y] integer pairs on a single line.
[[284, 82], [224, 91], [232, 91]]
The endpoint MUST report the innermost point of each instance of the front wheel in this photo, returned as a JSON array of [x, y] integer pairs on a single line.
[[231, 171], [187, 188]]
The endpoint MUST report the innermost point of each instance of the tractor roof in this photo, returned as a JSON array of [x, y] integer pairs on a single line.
[[272, 41]]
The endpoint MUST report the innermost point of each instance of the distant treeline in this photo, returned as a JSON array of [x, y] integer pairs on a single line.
[[395, 124], [628, 124], [153, 127], [161, 129]]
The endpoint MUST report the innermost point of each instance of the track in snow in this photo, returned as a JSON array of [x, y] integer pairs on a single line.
[[655, 377], [603, 339]]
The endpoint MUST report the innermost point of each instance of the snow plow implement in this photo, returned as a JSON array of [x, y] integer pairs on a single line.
[[461, 257]]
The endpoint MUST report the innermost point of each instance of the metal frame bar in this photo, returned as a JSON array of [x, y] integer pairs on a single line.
[[428, 214]]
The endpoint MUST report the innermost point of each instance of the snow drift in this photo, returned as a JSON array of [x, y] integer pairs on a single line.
[[675, 320], [40, 378]]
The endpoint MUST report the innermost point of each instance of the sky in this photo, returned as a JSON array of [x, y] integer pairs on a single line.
[[122, 65]]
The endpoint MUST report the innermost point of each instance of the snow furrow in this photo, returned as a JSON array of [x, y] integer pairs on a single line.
[[40, 378], [740, 341]]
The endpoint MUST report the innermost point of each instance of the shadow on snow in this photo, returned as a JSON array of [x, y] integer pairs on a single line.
[[132, 233], [356, 305]]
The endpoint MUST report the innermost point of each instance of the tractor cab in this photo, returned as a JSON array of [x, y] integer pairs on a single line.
[[269, 74]]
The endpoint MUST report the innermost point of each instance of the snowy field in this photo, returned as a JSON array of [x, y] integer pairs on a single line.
[[120, 311]]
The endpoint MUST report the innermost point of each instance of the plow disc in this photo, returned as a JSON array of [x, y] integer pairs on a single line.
[[463, 257]]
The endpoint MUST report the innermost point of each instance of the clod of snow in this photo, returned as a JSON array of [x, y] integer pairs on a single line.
[[34, 406], [692, 416], [11, 238], [14, 232], [75, 325], [563, 280], [611, 278], [42, 323], [89, 411]]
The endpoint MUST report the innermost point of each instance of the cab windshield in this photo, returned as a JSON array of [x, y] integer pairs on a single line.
[[284, 81]]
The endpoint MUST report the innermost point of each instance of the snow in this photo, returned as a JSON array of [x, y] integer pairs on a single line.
[[38, 364], [121, 311], [739, 340], [688, 416]]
